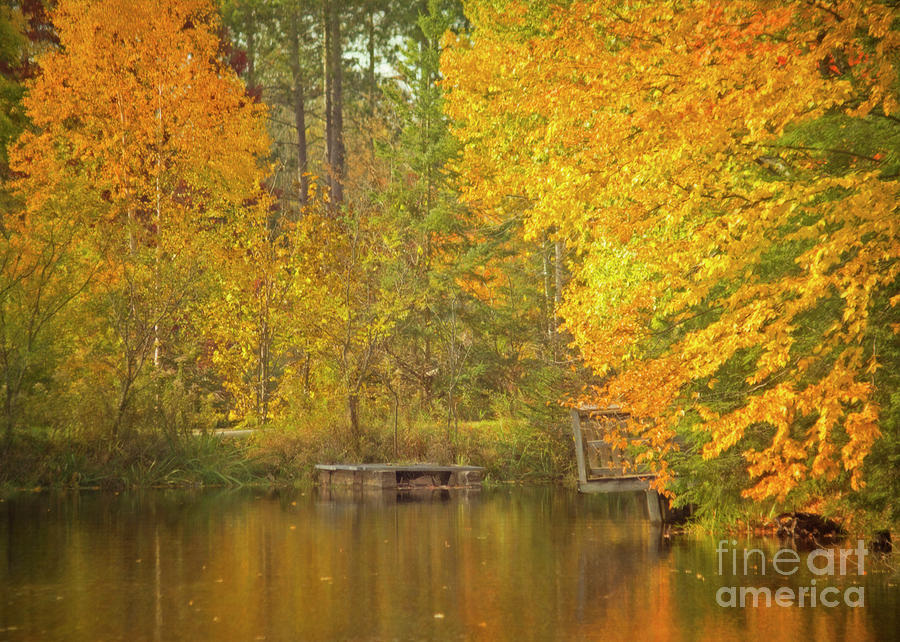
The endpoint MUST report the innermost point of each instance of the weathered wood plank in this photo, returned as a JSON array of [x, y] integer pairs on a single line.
[[595, 457], [579, 446], [615, 484], [400, 476], [395, 467], [654, 507]]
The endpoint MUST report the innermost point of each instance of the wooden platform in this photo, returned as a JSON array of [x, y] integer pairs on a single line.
[[400, 476], [601, 465], [621, 484]]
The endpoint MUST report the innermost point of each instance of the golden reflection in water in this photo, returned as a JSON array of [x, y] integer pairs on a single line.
[[523, 564]]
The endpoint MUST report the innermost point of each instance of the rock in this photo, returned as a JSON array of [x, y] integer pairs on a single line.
[[808, 528], [881, 542], [680, 515]]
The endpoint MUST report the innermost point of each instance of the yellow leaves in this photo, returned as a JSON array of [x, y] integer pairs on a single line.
[[692, 253], [147, 146]]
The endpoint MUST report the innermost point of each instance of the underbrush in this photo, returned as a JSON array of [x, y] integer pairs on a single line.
[[509, 450], [277, 453], [40, 459]]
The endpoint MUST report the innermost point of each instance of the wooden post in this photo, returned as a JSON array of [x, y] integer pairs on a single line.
[[654, 507], [579, 446]]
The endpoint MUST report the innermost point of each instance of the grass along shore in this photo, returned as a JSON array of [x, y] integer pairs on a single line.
[[510, 450]]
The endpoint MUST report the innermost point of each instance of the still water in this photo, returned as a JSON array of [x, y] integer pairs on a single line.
[[508, 564]]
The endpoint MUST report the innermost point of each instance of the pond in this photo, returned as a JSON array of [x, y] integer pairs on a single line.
[[499, 564]]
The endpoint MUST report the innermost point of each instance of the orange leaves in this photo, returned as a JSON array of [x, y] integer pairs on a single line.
[[136, 108], [146, 146], [136, 93], [785, 462]]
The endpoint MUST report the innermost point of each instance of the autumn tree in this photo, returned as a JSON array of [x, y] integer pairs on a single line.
[[37, 274], [146, 142], [726, 173], [12, 117], [249, 316], [25, 31]]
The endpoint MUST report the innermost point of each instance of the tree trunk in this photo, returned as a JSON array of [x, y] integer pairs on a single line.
[[558, 267], [337, 106], [9, 419], [371, 84], [262, 392], [548, 308], [306, 369], [158, 250], [370, 28], [557, 272], [332, 74], [250, 29], [353, 415], [393, 391], [396, 414], [299, 113], [327, 86], [123, 404]]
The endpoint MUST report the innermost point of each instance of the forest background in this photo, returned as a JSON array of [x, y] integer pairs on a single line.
[[417, 231]]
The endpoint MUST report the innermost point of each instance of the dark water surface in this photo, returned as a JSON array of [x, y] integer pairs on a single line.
[[518, 564]]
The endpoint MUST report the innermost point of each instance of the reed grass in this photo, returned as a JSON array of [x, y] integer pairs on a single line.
[[509, 449]]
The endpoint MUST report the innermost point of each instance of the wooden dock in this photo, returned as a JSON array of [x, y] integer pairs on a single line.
[[400, 476], [601, 465]]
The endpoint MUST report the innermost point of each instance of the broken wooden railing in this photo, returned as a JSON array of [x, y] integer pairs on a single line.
[[605, 468]]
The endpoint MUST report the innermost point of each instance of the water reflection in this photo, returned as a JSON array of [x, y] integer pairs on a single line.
[[533, 563]]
